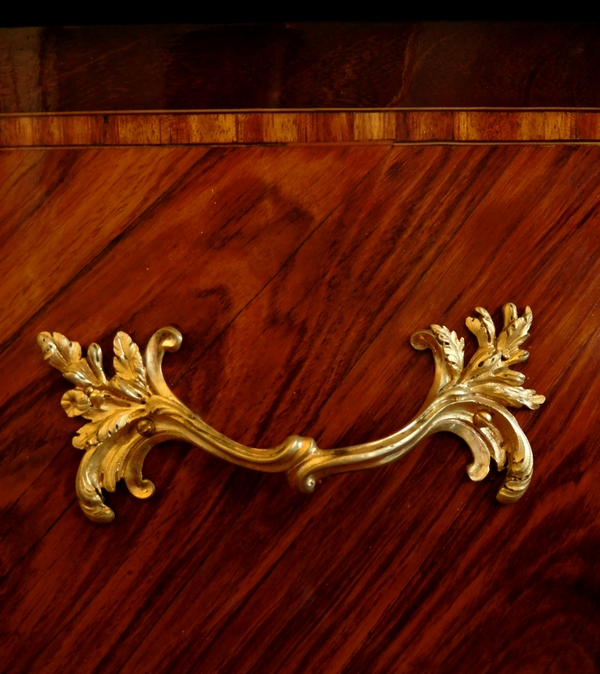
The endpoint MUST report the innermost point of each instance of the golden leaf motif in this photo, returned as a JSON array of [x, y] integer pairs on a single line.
[[483, 328], [135, 409], [488, 371], [65, 356], [130, 377], [454, 350]]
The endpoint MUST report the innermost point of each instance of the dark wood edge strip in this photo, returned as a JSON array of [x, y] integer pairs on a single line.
[[232, 128], [212, 111]]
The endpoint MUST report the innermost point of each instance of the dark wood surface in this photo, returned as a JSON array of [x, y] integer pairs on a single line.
[[300, 65], [297, 275]]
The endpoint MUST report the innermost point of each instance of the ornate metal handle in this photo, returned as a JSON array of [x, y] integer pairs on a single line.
[[135, 410]]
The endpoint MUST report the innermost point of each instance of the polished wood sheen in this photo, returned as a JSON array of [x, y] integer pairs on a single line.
[[297, 275], [300, 126]]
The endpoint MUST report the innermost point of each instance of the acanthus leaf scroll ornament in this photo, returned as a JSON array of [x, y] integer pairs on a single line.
[[135, 409]]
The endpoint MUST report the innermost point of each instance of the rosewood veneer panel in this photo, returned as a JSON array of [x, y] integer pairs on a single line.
[[297, 275]]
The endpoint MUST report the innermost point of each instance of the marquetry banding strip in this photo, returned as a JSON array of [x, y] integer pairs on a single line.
[[299, 126]]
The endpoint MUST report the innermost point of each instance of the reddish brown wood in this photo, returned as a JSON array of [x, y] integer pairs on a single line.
[[300, 65], [299, 127], [297, 275]]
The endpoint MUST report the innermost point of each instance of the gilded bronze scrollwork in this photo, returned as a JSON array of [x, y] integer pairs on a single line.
[[135, 409]]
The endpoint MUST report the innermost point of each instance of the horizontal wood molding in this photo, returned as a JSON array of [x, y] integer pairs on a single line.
[[299, 126]]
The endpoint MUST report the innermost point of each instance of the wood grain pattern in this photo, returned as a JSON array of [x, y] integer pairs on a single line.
[[297, 275], [300, 65], [300, 126]]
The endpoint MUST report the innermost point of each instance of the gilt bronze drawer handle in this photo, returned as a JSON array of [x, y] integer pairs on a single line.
[[135, 410]]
